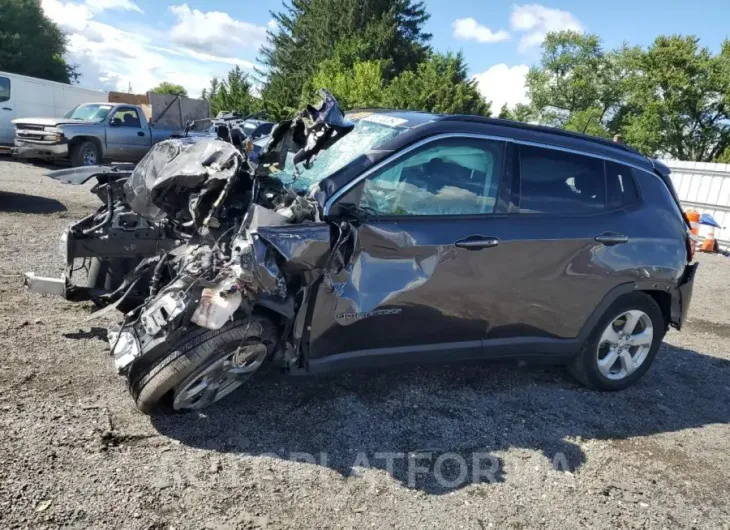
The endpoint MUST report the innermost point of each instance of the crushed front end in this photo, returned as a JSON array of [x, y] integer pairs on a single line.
[[212, 237]]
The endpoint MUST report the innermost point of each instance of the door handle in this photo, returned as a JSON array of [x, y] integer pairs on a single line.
[[7, 108], [612, 238], [140, 133], [477, 242]]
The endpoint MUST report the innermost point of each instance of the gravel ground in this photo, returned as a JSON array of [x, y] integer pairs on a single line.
[[312, 452]]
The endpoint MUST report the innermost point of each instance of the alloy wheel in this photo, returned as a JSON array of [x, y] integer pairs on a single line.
[[625, 344], [220, 378]]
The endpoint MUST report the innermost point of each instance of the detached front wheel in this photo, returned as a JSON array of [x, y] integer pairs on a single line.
[[204, 366]]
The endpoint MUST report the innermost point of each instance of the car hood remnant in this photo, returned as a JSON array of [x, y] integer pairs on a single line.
[[236, 221], [179, 175], [314, 130]]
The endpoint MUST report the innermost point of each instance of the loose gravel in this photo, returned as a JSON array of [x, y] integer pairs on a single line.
[[288, 452]]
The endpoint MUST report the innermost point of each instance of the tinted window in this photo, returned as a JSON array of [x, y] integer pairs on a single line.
[[126, 117], [557, 182], [4, 89], [264, 129], [621, 185], [458, 176]]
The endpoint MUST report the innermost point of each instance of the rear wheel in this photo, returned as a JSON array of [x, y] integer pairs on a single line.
[[622, 346], [203, 366]]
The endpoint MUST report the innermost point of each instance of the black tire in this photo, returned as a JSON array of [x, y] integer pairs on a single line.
[[153, 388], [79, 151], [108, 274], [584, 366]]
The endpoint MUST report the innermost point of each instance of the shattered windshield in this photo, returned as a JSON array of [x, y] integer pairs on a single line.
[[90, 112], [369, 133]]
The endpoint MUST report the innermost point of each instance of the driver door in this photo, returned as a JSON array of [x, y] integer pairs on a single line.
[[126, 138], [417, 283]]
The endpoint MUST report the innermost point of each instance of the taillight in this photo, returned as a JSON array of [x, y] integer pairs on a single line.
[[693, 216]]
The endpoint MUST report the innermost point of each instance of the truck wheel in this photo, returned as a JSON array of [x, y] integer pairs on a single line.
[[108, 275], [203, 366], [85, 154]]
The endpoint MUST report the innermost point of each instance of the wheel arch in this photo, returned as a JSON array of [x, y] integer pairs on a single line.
[[77, 140], [661, 293]]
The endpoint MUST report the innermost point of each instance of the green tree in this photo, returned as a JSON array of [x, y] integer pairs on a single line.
[[724, 157], [521, 112], [360, 86], [311, 31], [577, 85], [170, 88], [678, 102], [212, 91], [232, 94], [31, 44], [439, 84]]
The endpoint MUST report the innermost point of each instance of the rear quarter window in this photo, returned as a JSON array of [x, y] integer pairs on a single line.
[[621, 185], [4, 89], [560, 183]]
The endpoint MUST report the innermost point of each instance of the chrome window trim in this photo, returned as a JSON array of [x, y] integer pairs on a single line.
[[444, 136]]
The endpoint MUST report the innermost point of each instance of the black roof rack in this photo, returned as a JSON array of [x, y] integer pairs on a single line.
[[539, 128]]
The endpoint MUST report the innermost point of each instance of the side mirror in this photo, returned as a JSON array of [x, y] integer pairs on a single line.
[[346, 206], [115, 122]]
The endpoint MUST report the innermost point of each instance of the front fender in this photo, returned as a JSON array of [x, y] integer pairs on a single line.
[[93, 132]]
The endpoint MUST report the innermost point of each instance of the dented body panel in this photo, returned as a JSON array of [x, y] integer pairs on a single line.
[[408, 286], [352, 287]]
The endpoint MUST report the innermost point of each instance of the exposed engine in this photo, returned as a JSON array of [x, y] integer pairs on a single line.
[[210, 196]]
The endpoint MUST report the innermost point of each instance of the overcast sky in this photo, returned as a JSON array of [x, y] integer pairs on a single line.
[[137, 43]]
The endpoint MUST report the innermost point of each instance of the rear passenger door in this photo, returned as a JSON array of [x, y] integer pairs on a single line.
[[566, 248]]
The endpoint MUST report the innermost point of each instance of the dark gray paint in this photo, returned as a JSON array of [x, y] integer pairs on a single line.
[[409, 291]]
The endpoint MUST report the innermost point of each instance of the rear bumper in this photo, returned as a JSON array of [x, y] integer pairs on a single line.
[[682, 297], [25, 149]]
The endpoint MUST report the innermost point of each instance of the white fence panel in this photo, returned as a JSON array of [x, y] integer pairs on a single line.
[[706, 188]]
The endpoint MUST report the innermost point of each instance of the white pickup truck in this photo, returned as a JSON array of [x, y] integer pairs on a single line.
[[91, 133]]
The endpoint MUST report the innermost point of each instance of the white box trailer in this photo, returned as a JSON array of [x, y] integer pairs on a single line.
[[22, 96]]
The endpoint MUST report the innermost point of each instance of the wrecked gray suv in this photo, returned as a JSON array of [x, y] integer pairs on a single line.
[[377, 238]]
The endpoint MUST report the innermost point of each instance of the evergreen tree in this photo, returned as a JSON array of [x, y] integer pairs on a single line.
[[309, 32], [232, 94]]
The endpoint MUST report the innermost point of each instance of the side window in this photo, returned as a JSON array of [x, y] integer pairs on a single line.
[[126, 117], [4, 89], [621, 185], [456, 176], [556, 182]]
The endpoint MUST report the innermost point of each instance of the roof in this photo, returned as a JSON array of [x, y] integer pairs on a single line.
[[411, 118], [517, 130], [535, 128]]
